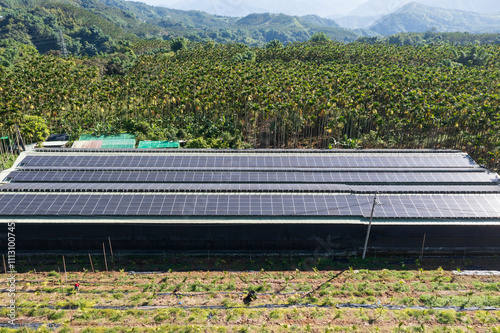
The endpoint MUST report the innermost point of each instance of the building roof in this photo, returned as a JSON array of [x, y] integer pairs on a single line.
[[417, 186]]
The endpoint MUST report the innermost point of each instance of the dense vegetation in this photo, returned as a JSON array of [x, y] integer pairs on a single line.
[[105, 66], [90, 27], [415, 17], [294, 294], [314, 94]]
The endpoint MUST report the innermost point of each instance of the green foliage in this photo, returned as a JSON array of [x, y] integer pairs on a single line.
[[450, 63], [319, 37], [56, 315], [302, 95], [179, 43], [446, 317], [275, 43], [417, 17], [476, 56], [245, 56], [12, 52], [34, 129], [197, 143]]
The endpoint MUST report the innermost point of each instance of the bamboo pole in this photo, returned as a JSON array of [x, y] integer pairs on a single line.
[[4, 266], [110, 247], [422, 252], [65, 273], [91, 264], [105, 261]]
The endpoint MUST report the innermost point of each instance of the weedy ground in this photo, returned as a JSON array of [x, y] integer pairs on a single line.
[[193, 294]]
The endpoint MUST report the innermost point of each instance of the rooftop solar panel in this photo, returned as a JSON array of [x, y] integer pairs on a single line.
[[465, 189], [252, 177], [248, 169], [244, 187], [438, 206], [435, 206], [261, 161], [265, 151], [171, 187], [412, 184]]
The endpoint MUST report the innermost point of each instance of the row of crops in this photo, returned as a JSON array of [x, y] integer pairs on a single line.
[[303, 95]]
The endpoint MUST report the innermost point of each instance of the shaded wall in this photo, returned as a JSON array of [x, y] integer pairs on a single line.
[[257, 237]]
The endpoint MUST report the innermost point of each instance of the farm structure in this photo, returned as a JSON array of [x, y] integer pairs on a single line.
[[251, 200]]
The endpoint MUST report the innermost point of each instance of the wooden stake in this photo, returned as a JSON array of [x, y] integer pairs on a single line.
[[110, 247], [65, 274], [105, 261], [36, 276], [422, 252], [4, 266], [91, 264]]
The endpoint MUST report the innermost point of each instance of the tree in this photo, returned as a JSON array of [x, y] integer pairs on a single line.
[[274, 44], [320, 37], [197, 143], [396, 40], [475, 57], [179, 43], [368, 40], [34, 129], [245, 56]]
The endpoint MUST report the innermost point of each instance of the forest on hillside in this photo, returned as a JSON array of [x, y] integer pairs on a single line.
[[314, 94]]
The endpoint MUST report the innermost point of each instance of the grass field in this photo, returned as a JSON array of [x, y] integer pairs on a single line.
[[299, 294]]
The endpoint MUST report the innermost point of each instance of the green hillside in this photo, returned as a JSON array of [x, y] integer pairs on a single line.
[[92, 27], [420, 18]]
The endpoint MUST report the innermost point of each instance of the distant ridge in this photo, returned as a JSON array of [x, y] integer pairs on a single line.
[[415, 17], [239, 8]]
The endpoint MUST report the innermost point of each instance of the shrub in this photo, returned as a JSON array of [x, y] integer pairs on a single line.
[[34, 128], [179, 43], [446, 317], [56, 315], [197, 143]]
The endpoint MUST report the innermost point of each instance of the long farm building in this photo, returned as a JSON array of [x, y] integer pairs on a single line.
[[251, 200]]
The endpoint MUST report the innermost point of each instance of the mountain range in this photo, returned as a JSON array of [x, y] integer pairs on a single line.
[[416, 17], [385, 17], [245, 7], [359, 10], [92, 27]]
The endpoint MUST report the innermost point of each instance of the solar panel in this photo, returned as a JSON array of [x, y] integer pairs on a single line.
[[283, 161], [438, 206], [248, 169], [416, 185], [171, 187], [465, 206], [465, 189], [253, 177]]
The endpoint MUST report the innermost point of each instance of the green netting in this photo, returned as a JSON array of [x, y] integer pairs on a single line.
[[122, 136], [158, 144], [123, 144]]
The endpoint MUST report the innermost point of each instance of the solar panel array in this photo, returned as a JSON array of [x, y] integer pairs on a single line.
[[250, 177], [436, 206], [261, 161], [412, 184]]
